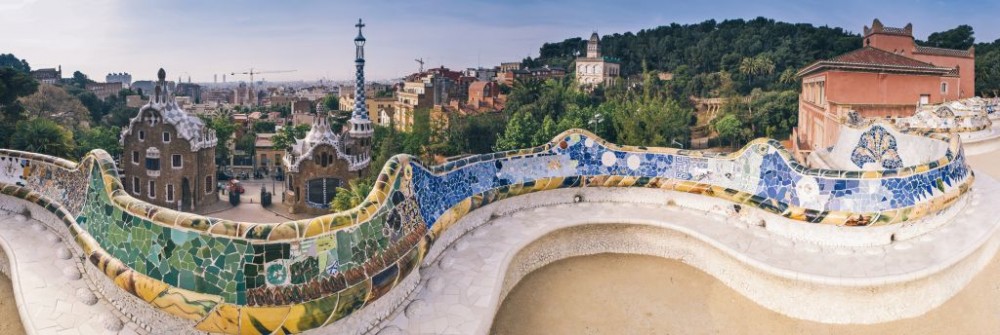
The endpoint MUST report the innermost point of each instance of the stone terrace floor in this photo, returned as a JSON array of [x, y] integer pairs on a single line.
[[458, 293]]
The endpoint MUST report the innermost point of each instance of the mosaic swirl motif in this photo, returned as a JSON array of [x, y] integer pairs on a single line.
[[878, 146], [251, 278]]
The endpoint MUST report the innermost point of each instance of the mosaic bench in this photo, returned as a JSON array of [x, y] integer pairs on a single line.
[[289, 277]]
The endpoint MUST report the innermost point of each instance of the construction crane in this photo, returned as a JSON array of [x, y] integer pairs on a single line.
[[252, 72], [421, 61]]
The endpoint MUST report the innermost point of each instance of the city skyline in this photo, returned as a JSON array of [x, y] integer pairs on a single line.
[[199, 40]]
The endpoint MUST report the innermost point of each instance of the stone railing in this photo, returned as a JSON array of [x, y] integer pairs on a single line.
[[924, 123], [239, 277]]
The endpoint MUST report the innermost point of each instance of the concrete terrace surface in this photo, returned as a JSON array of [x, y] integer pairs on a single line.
[[638, 294], [10, 321]]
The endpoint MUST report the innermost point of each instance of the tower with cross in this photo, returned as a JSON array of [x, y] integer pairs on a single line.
[[360, 132]]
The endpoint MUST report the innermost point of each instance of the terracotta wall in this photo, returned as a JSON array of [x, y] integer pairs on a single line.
[[967, 71], [886, 88]]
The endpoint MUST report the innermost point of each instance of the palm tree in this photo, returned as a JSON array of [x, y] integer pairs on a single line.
[[787, 77], [754, 66], [347, 198], [43, 136], [751, 67]]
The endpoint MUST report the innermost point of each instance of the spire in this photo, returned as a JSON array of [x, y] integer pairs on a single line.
[[360, 107], [594, 46], [360, 125], [161, 88]]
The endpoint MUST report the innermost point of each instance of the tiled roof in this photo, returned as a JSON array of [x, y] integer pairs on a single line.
[[873, 56], [872, 59], [943, 52]]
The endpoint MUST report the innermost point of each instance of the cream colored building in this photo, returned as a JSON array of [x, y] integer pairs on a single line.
[[414, 95], [594, 69], [375, 104]]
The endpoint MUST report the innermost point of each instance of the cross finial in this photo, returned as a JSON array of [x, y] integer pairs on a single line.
[[359, 25]]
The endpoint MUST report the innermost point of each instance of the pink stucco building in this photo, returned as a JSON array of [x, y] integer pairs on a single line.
[[888, 77]]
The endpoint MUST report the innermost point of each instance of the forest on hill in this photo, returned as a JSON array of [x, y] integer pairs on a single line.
[[693, 52]]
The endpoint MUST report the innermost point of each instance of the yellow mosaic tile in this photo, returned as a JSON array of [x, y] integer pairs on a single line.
[[186, 304], [310, 315], [262, 320], [225, 318]]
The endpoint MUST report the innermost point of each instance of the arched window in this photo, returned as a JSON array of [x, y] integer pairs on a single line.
[[944, 88]]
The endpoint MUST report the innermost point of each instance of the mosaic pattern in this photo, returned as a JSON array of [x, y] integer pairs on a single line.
[[237, 277], [878, 146]]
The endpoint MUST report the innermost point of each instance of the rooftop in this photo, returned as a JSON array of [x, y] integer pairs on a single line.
[[874, 59], [945, 52]]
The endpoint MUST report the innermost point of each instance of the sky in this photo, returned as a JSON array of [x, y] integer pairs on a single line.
[[199, 39]]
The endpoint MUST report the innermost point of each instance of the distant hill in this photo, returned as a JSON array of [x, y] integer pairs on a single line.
[[694, 51]]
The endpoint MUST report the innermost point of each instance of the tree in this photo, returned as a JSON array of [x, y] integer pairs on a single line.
[[788, 77], [474, 134], [729, 127], [52, 102], [960, 37], [14, 84], [656, 121], [331, 102], [80, 80], [519, 134], [95, 106], [692, 50], [283, 110], [386, 142], [11, 61], [100, 137], [224, 129], [420, 134], [988, 73], [756, 66], [119, 116], [43, 136], [350, 197], [263, 127], [548, 130], [285, 137]]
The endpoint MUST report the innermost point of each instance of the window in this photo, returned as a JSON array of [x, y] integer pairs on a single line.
[[142, 135], [166, 137], [925, 99], [153, 162], [135, 186], [135, 157], [944, 88], [319, 192], [152, 189], [170, 193], [176, 161], [208, 184]]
